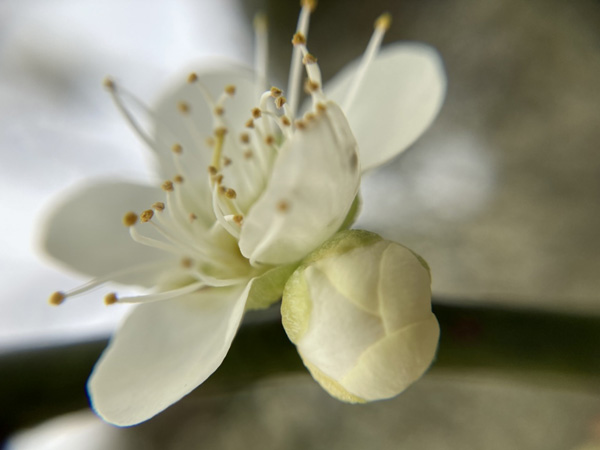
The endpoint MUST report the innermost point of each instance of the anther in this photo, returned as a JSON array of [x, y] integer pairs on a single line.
[[250, 123], [158, 206], [230, 193], [283, 206], [269, 140], [218, 179], [220, 132], [222, 190], [256, 113], [311, 86], [178, 179], [56, 298], [300, 124], [226, 161], [383, 22], [212, 170], [280, 101], [109, 84], [321, 107], [192, 77], [309, 59], [245, 138], [219, 111], [129, 219], [192, 217], [230, 90], [110, 299], [310, 4], [177, 148], [285, 121], [167, 186], [146, 215], [299, 39], [309, 117], [183, 107], [238, 218], [186, 262], [276, 92], [248, 154]]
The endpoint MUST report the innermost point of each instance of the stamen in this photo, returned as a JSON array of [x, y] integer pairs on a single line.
[[276, 92], [261, 55], [167, 186], [129, 219], [283, 206], [158, 206], [146, 216], [230, 90], [295, 66], [382, 24], [56, 298], [110, 299], [167, 295], [177, 149], [249, 123], [183, 107], [178, 179]]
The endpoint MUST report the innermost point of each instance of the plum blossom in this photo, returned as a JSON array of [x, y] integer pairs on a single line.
[[255, 183]]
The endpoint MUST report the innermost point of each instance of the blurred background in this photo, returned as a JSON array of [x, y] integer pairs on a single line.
[[501, 197]]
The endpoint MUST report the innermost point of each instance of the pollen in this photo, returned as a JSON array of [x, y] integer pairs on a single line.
[[309, 117], [56, 298], [280, 101], [230, 90], [109, 84], [309, 59], [192, 77], [129, 219], [269, 140], [110, 299], [220, 132], [245, 138], [230, 193], [311, 86], [177, 148], [250, 123], [285, 121], [299, 39], [283, 206], [218, 179], [212, 170], [178, 179], [321, 107], [383, 22], [276, 92], [238, 218], [256, 113], [146, 215], [158, 206], [310, 4], [300, 124], [186, 262], [167, 186], [219, 111], [183, 107]]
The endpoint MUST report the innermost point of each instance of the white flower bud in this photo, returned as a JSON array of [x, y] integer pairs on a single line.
[[359, 311]]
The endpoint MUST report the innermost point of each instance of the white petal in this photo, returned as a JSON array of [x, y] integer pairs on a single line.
[[163, 351], [313, 184], [172, 127], [85, 231], [400, 96]]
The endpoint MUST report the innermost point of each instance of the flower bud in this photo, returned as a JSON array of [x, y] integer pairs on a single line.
[[359, 311]]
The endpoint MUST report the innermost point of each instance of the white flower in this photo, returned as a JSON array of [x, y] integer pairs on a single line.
[[359, 311], [253, 188]]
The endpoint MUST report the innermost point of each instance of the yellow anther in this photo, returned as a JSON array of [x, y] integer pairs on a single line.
[[309, 117], [56, 298], [167, 186], [321, 107], [269, 140], [219, 111], [276, 92], [285, 121], [230, 90], [110, 299], [250, 123], [220, 132], [238, 218], [245, 138], [226, 161], [183, 107], [146, 216], [300, 124], [178, 179], [212, 170], [177, 148], [192, 217], [248, 154], [283, 206], [130, 219], [222, 190], [311, 86], [309, 59], [109, 84], [299, 39], [186, 262], [218, 179], [280, 101], [256, 113], [383, 22], [310, 4], [158, 206], [230, 193], [192, 77]]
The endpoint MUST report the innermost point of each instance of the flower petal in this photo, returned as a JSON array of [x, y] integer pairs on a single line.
[[173, 127], [86, 233], [163, 351], [399, 97], [314, 181]]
